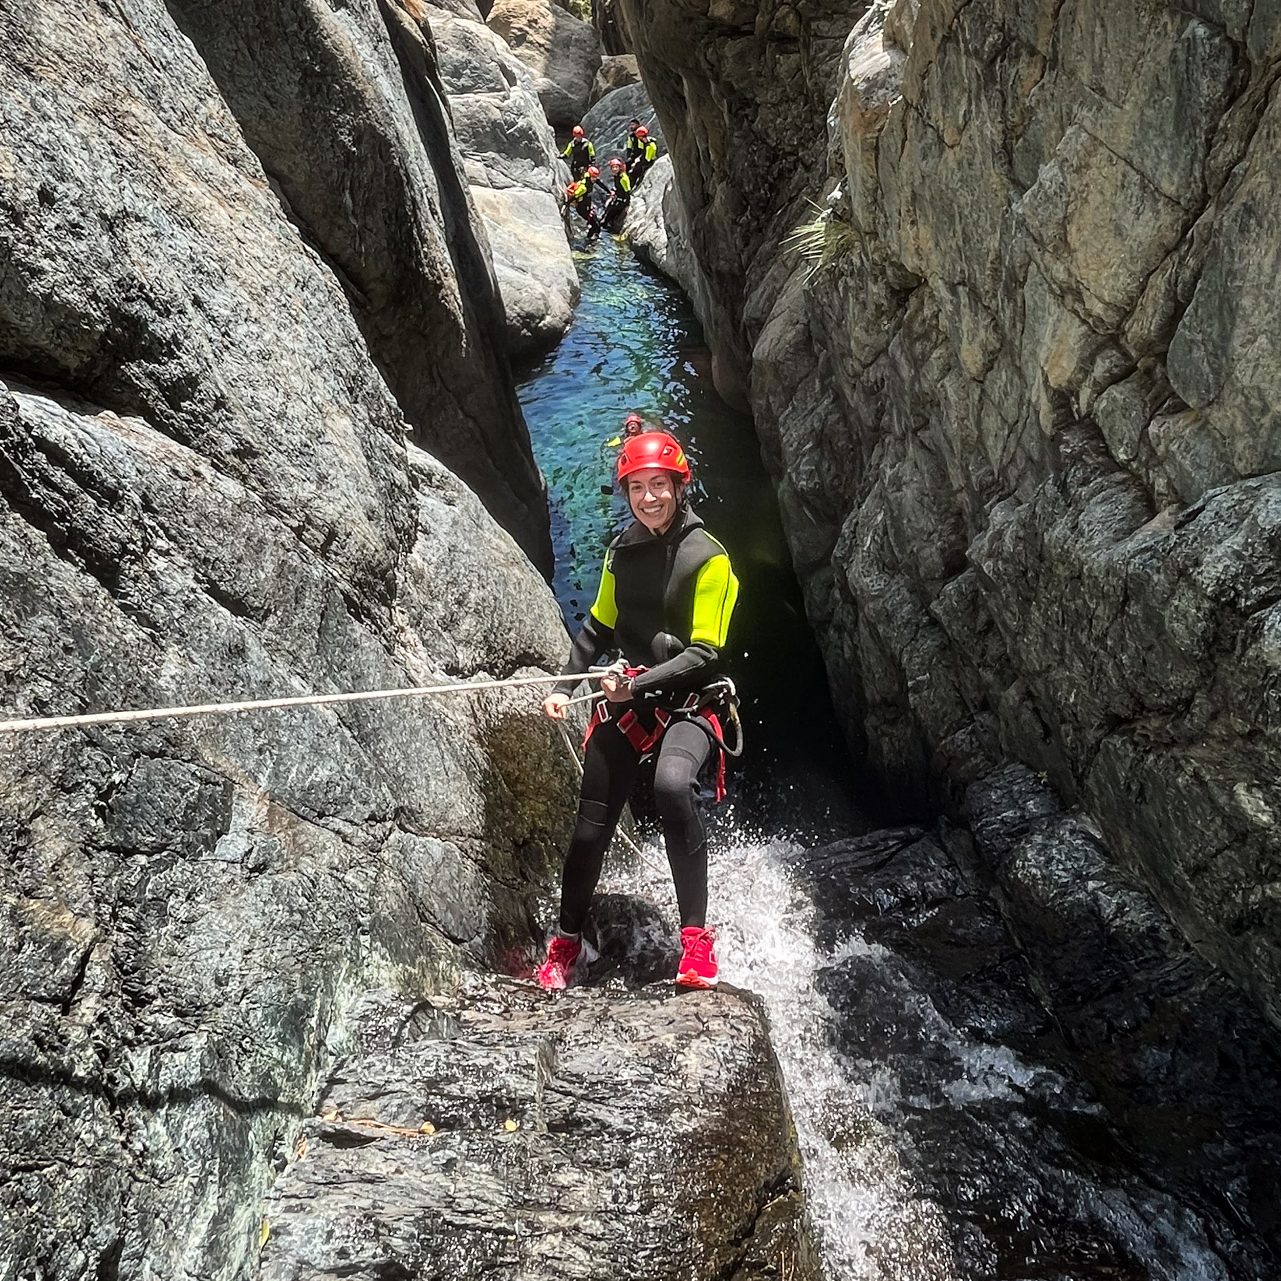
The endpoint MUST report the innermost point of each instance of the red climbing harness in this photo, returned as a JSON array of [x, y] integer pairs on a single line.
[[645, 738]]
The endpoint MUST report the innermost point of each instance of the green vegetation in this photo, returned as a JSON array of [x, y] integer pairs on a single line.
[[822, 241]]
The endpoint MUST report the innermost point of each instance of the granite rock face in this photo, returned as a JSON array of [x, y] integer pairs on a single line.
[[606, 123], [656, 228], [515, 175], [345, 112], [1018, 399], [500, 1131], [211, 490], [617, 71], [1072, 1089], [562, 51]]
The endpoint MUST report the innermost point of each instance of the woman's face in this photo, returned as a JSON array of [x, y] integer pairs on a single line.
[[653, 496]]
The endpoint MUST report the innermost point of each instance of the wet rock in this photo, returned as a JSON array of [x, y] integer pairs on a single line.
[[616, 72], [1077, 1093], [501, 1130], [562, 51], [1005, 396], [213, 493], [390, 217], [656, 229], [510, 160], [606, 123]]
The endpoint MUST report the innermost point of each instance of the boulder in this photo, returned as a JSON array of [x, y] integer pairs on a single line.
[[210, 492], [562, 51], [617, 71], [510, 160], [499, 1130], [655, 227], [390, 214], [606, 123]]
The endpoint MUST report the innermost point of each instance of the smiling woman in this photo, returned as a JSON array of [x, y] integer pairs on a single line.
[[636, 348], [666, 596]]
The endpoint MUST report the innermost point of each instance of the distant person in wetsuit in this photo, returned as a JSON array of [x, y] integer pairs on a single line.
[[666, 596], [578, 195], [620, 197], [646, 154], [579, 152], [633, 146]]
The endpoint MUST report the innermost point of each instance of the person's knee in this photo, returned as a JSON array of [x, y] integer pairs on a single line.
[[593, 816], [675, 788]]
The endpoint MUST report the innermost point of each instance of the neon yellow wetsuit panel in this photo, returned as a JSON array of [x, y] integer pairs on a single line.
[[715, 593], [605, 607]]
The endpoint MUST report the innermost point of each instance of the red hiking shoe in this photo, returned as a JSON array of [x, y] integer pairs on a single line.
[[698, 964], [562, 955]]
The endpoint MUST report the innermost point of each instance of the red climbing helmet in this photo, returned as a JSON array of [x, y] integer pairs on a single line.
[[633, 425], [615, 163], [652, 449], [578, 131], [642, 132], [592, 171]]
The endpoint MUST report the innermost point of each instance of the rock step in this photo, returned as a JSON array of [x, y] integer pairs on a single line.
[[502, 1131]]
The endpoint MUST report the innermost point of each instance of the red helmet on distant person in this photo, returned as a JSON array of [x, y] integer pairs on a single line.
[[592, 171], [642, 132], [615, 163], [578, 131], [653, 449], [633, 425]]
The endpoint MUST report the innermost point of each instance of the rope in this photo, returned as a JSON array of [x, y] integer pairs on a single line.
[[622, 836], [263, 704]]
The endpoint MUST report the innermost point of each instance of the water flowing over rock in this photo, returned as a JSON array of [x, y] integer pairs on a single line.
[[561, 50], [511, 164], [1054, 1068], [210, 491], [1024, 426]]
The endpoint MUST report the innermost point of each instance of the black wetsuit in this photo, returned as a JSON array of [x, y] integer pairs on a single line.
[[665, 601]]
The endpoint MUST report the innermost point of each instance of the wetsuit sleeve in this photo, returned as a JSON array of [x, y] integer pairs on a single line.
[[715, 594], [596, 636]]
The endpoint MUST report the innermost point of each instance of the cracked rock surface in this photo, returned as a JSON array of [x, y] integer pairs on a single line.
[[1019, 402], [211, 487], [500, 1131]]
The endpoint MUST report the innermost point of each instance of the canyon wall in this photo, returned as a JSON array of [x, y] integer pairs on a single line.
[[1017, 382], [234, 320]]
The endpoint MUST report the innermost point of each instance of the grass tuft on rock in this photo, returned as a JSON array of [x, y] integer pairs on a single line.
[[822, 241]]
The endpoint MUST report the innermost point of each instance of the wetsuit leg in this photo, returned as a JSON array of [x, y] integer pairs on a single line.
[[609, 771], [682, 753]]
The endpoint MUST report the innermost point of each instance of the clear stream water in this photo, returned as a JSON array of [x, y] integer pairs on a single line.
[[637, 346]]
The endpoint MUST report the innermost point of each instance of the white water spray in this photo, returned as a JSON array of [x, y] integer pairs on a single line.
[[871, 1223]]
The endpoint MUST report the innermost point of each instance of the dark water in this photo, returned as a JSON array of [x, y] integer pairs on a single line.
[[637, 346]]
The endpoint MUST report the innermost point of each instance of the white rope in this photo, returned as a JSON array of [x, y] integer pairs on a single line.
[[618, 833], [263, 704]]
